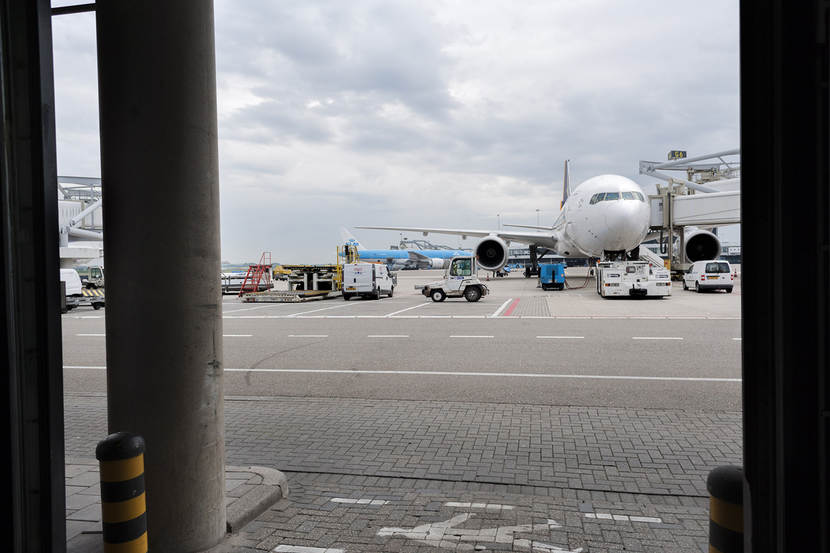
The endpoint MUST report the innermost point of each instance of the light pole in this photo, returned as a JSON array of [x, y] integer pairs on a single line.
[[498, 221], [538, 217]]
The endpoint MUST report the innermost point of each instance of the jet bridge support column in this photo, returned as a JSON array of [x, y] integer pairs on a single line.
[[157, 87]]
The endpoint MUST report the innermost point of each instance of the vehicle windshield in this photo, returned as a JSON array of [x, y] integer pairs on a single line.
[[461, 267], [717, 268]]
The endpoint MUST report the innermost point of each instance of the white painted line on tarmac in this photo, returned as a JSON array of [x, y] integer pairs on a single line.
[[308, 335], [407, 309], [737, 339], [514, 317], [490, 506], [469, 336], [501, 375], [349, 501], [561, 337], [646, 519], [656, 338], [90, 335], [450, 373], [346, 304], [623, 518], [498, 311], [250, 308], [388, 336], [304, 549], [237, 335]]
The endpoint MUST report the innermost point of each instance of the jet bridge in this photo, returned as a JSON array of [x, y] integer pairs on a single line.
[[684, 209]]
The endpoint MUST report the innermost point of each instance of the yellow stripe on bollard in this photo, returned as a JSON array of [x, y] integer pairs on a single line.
[[138, 545], [726, 515], [123, 511], [123, 469]]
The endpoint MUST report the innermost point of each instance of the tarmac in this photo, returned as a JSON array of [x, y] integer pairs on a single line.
[[566, 423]]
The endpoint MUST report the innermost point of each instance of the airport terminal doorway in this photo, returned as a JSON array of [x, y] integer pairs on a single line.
[[481, 463]]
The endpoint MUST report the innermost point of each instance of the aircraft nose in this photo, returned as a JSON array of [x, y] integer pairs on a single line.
[[628, 223]]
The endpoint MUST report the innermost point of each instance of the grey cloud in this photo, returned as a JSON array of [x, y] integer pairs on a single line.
[[276, 121]]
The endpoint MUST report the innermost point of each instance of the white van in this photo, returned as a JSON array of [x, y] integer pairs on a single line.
[[713, 274], [371, 280], [73, 282]]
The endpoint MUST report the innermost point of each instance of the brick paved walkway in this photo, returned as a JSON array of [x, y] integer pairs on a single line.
[[516, 522], [559, 463], [621, 450]]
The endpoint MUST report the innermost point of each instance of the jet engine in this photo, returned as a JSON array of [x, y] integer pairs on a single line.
[[702, 244], [438, 263], [491, 253]]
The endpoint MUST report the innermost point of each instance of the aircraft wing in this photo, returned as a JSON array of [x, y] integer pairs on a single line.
[[526, 237]]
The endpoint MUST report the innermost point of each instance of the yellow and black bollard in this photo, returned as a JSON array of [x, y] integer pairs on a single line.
[[123, 506], [726, 511]]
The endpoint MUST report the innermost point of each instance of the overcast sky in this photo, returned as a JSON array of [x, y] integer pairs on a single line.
[[430, 112]]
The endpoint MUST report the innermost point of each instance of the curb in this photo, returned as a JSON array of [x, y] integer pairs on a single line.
[[274, 486]]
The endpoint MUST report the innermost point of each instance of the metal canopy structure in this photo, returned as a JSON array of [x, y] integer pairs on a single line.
[[718, 166]]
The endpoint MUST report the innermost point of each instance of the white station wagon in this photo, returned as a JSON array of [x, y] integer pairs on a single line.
[[709, 275]]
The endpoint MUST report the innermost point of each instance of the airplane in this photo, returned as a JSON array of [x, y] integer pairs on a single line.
[[606, 217], [403, 258]]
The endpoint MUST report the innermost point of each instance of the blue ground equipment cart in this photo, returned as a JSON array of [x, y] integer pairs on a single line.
[[552, 276]]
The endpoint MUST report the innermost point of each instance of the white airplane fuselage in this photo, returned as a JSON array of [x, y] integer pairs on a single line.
[[607, 213]]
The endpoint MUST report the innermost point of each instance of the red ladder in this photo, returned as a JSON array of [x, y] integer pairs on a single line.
[[256, 273]]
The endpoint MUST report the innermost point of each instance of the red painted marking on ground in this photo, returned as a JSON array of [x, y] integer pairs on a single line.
[[510, 308]]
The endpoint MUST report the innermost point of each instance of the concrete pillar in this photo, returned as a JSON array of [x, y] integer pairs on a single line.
[[157, 87]]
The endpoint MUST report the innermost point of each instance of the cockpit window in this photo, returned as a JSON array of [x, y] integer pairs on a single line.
[[607, 196]]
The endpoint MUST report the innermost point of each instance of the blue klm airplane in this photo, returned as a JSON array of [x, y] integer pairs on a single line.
[[407, 258]]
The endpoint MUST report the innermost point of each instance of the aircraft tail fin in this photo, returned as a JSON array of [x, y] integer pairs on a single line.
[[566, 184], [347, 237]]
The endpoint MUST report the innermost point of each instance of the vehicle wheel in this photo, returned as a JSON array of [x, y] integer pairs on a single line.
[[438, 295], [97, 306], [697, 287], [391, 291], [685, 287], [729, 290], [346, 296], [472, 294], [377, 294]]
